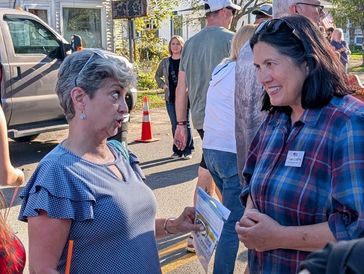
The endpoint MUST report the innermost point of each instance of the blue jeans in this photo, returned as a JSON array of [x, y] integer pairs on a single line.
[[173, 118], [223, 168]]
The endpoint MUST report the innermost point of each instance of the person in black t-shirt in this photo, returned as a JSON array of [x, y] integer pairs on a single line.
[[167, 78]]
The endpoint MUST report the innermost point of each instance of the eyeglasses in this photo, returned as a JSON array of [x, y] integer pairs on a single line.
[[233, 11], [320, 8], [274, 25], [95, 53]]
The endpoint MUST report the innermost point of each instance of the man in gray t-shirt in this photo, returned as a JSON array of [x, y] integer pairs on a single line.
[[200, 55]]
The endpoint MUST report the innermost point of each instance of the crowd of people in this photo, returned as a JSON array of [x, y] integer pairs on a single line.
[[282, 149]]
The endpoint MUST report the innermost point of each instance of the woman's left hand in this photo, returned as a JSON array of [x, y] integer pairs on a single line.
[[263, 235], [185, 222]]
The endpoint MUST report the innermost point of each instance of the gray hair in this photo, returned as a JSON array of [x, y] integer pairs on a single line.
[[88, 70], [281, 7]]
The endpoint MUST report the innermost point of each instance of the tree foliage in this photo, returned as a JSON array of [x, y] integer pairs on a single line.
[[349, 10], [149, 46], [352, 10]]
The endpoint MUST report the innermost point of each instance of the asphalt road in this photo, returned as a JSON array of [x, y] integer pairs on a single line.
[[172, 182]]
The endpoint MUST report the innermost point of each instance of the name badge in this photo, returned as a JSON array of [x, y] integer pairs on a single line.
[[294, 158]]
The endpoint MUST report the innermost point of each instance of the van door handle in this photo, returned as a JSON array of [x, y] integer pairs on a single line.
[[18, 71]]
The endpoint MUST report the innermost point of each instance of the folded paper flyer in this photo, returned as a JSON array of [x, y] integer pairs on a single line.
[[212, 215]]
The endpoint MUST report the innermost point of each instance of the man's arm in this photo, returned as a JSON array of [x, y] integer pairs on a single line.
[[181, 98], [180, 136]]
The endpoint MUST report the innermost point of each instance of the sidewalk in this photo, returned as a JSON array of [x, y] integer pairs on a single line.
[[355, 63]]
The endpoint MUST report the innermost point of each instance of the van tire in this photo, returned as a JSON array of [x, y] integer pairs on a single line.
[[25, 139]]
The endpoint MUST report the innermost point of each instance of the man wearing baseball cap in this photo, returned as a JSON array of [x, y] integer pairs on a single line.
[[215, 5], [200, 55], [262, 13]]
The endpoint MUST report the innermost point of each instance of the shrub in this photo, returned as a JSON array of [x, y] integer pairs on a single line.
[[146, 80]]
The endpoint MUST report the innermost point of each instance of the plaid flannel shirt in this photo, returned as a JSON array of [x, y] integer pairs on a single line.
[[327, 187]]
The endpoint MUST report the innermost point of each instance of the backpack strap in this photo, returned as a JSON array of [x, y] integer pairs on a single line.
[[129, 157], [121, 147]]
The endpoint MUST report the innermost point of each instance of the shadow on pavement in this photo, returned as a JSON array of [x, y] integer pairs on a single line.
[[172, 177], [157, 162], [29, 153]]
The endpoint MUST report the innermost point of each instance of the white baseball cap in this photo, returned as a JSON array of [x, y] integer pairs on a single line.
[[215, 5]]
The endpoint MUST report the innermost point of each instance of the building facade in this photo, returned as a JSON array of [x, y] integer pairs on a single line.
[[91, 19]]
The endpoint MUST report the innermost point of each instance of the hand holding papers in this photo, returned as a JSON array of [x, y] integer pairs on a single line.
[[212, 215]]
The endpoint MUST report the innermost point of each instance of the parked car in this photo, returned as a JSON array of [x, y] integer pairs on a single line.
[[31, 53]]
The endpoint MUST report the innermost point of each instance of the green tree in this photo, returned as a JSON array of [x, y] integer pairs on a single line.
[[149, 47], [352, 10]]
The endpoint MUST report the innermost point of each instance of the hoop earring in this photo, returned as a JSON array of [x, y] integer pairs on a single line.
[[83, 116]]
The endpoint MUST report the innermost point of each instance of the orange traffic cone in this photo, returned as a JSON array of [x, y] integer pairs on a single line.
[[147, 134]]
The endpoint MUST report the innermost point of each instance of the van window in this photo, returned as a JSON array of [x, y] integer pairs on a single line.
[[31, 37]]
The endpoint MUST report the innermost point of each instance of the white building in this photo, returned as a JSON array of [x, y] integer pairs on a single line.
[[92, 20]]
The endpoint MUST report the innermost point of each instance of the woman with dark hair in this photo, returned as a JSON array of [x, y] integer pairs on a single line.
[[304, 175]]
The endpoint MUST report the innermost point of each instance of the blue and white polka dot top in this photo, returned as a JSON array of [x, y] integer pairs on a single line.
[[113, 220]]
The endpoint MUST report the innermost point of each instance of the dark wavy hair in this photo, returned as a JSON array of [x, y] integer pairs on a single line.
[[299, 39]]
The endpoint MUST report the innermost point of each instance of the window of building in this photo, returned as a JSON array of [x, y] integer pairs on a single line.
[[177, 22], [41, 13], [358, 40], [30, 37], [85, 22]]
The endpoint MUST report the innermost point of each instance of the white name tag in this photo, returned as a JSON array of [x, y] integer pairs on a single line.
[[294, 158]]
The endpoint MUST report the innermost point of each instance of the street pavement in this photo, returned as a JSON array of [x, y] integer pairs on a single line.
[[355, 63], [172, 181]]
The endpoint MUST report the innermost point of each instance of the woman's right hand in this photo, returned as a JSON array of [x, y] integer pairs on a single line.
[[258, 231]]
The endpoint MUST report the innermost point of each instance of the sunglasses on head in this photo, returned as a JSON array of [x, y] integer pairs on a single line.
[[274, 25], [95, 53]]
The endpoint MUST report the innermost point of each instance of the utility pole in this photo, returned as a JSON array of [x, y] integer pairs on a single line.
[[131, 34], [129, 9]]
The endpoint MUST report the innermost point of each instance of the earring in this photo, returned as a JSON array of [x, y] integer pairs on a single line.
[[83, 116]]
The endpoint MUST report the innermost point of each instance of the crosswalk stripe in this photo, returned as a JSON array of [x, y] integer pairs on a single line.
[[172, 248]]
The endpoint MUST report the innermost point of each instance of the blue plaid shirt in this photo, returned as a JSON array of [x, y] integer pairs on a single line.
[[328, 186]]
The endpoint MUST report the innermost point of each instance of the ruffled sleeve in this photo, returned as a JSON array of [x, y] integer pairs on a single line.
[[58, 188]]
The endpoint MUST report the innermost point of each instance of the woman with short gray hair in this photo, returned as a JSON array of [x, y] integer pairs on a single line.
[[88, 194]]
